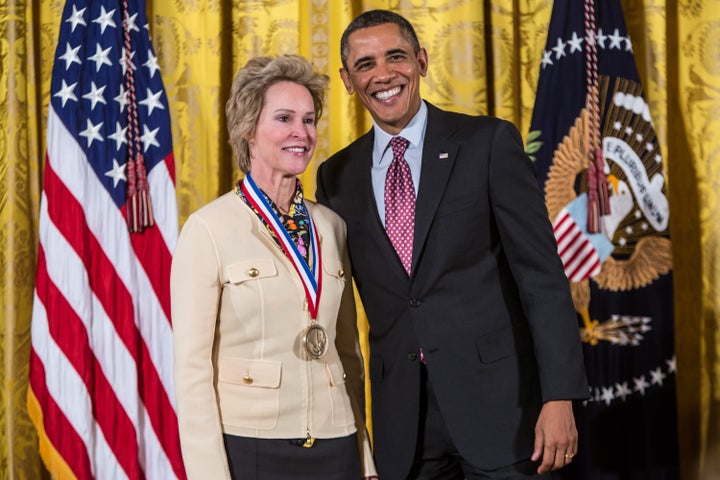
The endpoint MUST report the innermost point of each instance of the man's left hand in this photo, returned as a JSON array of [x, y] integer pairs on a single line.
[[556, 437]]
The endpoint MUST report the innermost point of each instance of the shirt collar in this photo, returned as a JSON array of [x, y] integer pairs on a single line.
[[413, 132]]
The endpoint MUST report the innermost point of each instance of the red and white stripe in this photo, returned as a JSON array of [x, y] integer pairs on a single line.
[[101, 359], [579, 257]]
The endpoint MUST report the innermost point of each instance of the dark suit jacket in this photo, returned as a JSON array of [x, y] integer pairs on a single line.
[[487, 299]]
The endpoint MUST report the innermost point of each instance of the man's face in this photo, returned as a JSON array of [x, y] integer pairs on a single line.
[[385, 72]]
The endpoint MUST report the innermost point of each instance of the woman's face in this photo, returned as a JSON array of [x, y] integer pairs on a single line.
[[285, 136]]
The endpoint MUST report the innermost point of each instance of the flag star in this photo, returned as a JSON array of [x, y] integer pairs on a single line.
[[575, 43], [628, 229], [628, 130], [628, 45], [658, 158], [671, 364], [92, 132], [123, 60], [117, 173], [649, 147], [148, 138], [151, 64], [615, 39], [607, 395], [95, 95], [131, 23], [101, 57], [546, 60], [601, 38], [617, 125], [76, 18], [644, 226], [152, 101], [638, 214], [120, 135], [122, 97], [70, 56], [657, 376], [559, 49], [622, 390], [640, 384], [66, 92], [622, 241], [105, 19], [639, 137]]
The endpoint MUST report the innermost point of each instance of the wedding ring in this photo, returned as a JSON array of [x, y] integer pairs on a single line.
[[569, 455]]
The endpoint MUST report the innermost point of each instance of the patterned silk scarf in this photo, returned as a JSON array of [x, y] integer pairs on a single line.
[[295, 220]]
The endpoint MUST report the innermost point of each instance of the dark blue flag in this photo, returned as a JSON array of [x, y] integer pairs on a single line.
[[598, 159]]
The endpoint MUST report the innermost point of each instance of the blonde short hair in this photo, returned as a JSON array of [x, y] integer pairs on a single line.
[[247, 96]]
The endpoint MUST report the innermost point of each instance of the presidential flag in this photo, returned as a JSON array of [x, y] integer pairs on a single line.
[[598, 159], [100, 388]]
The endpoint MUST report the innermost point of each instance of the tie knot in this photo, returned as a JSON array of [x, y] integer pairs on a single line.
[[399, 145]]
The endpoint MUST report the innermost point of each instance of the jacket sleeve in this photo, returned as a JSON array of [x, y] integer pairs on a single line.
[[531, 250], [348, 346], [195, 286]]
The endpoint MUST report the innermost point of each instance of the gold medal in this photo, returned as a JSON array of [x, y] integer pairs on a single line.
[[315, 340]]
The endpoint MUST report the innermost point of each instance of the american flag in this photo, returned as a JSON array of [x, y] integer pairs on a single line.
[[101, 391]]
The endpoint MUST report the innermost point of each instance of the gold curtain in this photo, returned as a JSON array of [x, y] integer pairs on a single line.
[[484, 58]]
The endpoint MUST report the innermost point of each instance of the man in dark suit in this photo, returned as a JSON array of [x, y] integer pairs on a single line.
[[474, 350]]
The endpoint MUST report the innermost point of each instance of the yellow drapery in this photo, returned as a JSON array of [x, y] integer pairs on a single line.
[[484, 58]]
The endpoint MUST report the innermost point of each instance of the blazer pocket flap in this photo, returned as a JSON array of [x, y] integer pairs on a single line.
[[246, 270], [334, 269], [336, 374], [503, 343], [251, 373]]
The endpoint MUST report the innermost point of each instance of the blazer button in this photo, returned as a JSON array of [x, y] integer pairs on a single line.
[[247, 379], [341, 274], [412, 356], [414, 302], [253, 272]]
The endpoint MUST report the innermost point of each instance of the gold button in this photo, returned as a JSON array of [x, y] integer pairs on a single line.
[[344, 376], [341, 273], [247, 379], [253, 272]]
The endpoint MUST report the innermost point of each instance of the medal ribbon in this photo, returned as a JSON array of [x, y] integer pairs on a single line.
[[311, 279]]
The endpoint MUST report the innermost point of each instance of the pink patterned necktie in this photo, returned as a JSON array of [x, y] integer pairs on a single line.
[[400, 203]]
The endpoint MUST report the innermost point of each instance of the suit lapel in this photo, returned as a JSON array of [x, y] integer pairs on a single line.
[[439, 154]]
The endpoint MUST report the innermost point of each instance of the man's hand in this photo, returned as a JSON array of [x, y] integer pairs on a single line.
[[556, 437]]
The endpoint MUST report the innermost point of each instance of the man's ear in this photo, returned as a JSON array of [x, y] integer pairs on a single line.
[[346, 81], [422, 57]]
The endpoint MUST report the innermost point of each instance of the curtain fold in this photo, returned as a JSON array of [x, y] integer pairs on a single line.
[[693, 120], [484, 57]]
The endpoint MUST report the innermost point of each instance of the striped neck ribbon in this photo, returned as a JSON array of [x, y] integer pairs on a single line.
[[311, 277]]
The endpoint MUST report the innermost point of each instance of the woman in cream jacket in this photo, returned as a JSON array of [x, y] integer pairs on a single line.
[[268, 370]]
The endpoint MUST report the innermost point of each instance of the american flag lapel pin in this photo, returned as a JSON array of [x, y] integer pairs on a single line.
[[443, 155]]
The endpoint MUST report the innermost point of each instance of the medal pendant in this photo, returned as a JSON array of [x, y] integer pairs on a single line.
[[315, 340]]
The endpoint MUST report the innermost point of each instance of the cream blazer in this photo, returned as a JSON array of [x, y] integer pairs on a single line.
[[239, 312]]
